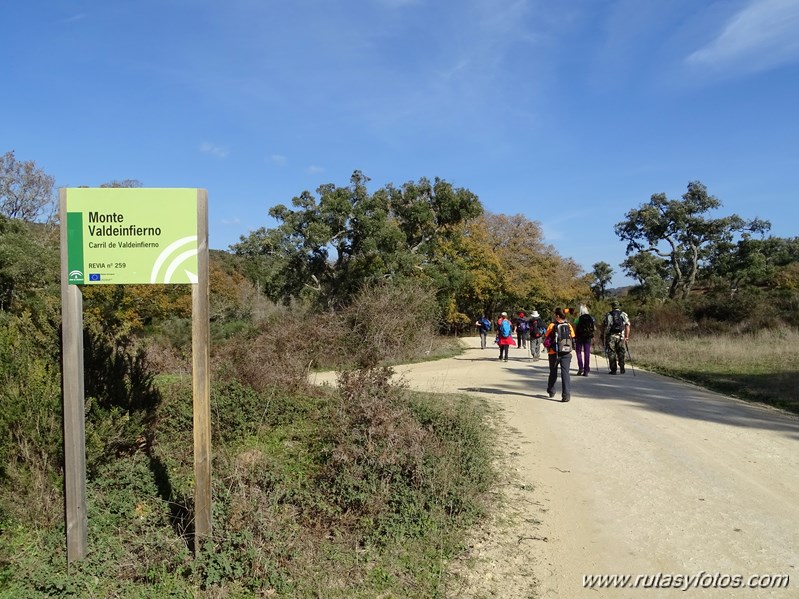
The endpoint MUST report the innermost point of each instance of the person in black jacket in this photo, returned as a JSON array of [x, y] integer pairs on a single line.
[[522, 331]]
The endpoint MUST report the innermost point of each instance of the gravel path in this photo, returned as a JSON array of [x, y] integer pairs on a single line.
[[638, 475]]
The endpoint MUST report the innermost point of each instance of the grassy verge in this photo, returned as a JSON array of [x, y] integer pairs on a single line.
[[761, 367], [436, 348]]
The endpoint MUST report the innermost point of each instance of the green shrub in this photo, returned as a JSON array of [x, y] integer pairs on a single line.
[[120, 396], [315, 493], [30, 424], [398, 465], [131, 542]]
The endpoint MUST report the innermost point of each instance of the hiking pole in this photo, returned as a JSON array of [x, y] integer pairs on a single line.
[[629, 355], [596, 361]]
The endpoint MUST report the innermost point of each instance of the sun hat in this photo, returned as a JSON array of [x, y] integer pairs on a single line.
[[614, 304], [504, 314], [535, 314]]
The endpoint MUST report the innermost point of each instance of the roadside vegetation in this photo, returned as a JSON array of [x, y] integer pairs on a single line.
[[760, 366], [753, 355], [357, 492], [362, 491]]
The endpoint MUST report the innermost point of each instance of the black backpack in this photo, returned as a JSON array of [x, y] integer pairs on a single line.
[[615, 322], [537, 328], [586, 326]]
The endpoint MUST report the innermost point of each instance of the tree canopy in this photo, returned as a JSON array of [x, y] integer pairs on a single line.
[[26, 191], [328, 247], [518, 270], [681, 233], [28, 264], [601, 275]]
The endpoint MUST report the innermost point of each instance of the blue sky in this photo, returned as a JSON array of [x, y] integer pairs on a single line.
[[570, 113]]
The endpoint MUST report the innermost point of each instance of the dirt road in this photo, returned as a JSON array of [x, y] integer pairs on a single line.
[[638, 475]]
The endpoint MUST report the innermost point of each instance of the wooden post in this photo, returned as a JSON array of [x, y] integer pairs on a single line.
[[201, 377], [73, 406]]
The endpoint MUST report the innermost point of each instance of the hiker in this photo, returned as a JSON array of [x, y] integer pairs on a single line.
[[615, 334], [559, 341], [504, 335], [483, 327], [585, 325], [537, 329], [522, 331]]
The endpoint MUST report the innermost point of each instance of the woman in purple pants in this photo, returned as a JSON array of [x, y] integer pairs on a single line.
[[585, 334]]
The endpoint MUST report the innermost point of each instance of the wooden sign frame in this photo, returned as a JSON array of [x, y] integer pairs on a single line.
[[74, 395]]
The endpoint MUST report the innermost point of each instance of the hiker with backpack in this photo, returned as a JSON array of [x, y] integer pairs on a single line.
[[559, 341], [615, 333], [522, 331], [585, 327], [483, 327], [504, 336], [537, 327]]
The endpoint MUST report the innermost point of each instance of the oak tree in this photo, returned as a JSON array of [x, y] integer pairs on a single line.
[[328, 247], [26, 191], [601, 275], [682, 232]]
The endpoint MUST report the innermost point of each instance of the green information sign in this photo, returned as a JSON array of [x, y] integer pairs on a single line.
[[121, 236]]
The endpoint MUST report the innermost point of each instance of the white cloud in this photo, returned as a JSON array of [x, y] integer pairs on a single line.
[[231, 221], [74, 18], [214, 150], [314, 170], [394, 4], [278, 159], [763, 35], [475, 57]]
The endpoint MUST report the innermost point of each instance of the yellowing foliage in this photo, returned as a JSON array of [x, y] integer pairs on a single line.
[[511, 266]]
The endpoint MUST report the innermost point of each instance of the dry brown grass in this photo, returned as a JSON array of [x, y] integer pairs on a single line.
[[761, 366]]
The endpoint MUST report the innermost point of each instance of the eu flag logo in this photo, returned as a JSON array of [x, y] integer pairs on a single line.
[[94, 276]]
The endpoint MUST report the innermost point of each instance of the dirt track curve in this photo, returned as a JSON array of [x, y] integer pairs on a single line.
[[638, 475]]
